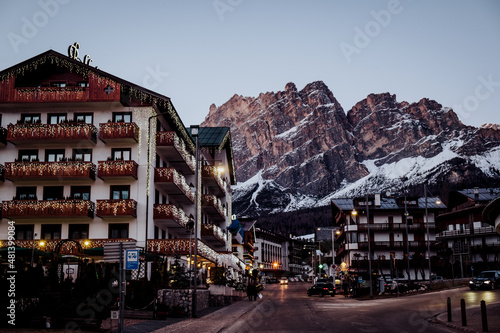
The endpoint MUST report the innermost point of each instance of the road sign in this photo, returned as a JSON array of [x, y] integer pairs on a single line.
[[131, 259], [115, 314]]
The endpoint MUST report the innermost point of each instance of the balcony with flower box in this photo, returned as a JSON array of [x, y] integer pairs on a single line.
[[171, 148], [50, 209], [181, 246], [119, 132], [63, 133], [59, 171], [174, 184], [213, 235], [117, 170], [212, 206], [212, 180], [116, 208], [171, 216]]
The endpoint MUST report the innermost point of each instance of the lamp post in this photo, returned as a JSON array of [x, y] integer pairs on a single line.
[[194, 133]]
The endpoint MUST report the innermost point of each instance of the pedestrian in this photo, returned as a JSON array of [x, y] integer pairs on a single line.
[[345, 287], [250, 291]]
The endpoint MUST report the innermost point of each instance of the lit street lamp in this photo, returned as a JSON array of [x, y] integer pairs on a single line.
[[194, 133]]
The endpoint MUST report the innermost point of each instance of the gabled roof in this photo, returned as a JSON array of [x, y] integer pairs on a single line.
[[481, 194], [129, 89]]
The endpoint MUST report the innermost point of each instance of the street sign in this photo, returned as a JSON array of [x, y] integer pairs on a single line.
[[131, 259], [115, 314]]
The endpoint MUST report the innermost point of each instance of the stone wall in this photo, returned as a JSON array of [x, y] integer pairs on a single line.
[[183, 298]]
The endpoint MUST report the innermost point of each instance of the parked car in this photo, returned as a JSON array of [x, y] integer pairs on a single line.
[[436, 278], [486, 280], [322, 289], [284, 280]]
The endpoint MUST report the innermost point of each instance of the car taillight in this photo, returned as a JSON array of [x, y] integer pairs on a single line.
[[325, 288]]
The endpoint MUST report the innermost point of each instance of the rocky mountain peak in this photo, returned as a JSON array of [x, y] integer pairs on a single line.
[[297, 148]]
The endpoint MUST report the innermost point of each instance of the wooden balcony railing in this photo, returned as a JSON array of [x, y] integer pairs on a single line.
[[170, 215], [181, 247], [47, 208], [395, 226], [65, 246], [212, 180], [119, 132], [213, 232], [116, 208], [174, 149], [212, 206], [64, 132], [174, 184], [116, 169], [49, 170]]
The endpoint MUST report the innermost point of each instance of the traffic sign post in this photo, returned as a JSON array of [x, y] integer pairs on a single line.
[[131, 259]]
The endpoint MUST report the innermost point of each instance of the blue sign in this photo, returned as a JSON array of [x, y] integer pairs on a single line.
[[131, 259]]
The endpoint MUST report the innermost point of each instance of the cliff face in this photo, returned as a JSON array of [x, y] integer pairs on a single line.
[[296, 149]]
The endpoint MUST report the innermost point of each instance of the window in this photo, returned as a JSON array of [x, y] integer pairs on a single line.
[[82, 84], [28, 155], [26, 193], [121, 154], [51, 231], [119, 230], [122, 117], [56, 118], [82, 155], [120, 192], [80, 192], [60, 84], [87, 118], [78, 231], [24, 231], [53, 192], [54, 155], [30, 118]]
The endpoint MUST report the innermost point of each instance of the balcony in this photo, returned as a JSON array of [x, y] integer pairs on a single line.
[[51, 209], [467, 232], [119, 132], [64, 170], [63, 133], [117, 170], [213, 234], [116, 208], [173, 149], [181, 247], [66, 246], [395, 226], [172, 183], [212, 206], [212, 180], [170, 216]]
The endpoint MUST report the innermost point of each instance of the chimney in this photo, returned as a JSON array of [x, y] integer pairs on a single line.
[[377, 199], [476, 192]]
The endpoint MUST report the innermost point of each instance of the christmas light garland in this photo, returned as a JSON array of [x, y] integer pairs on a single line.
[[47, 208], [62, 131], [50, 169], [170, 175], [117, 168], [116, 207]]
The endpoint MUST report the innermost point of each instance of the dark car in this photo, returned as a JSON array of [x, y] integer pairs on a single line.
[[486, 280], [322, 289]]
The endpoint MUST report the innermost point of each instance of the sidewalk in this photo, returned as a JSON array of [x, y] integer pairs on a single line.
[[473, 317]]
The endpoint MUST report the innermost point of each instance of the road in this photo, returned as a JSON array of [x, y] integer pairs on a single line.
[[288, 308]]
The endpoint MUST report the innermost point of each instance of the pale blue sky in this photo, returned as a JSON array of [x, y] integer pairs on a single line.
[[201, 52]]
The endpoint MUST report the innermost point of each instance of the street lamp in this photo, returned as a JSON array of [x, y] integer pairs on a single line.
[[336, 231], [438, 202], [194, 133]]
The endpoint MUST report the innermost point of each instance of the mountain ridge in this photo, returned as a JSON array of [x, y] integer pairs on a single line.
[[295, 149]]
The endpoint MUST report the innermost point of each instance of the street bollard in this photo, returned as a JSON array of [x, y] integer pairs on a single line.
[[484, 318], [464, 315], [448, 306]]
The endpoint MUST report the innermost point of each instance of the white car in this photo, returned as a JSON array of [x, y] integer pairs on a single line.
[[284, 280]]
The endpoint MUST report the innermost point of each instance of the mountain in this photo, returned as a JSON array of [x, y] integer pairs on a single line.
[[295, 150]]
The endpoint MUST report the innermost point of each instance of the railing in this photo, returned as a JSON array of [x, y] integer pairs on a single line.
[[170, 212], [211, 230], [170, 175], [212, 205], [466, 232], [52, 94], [116, 208], [41, 132], [117, 169], [115, 131], [211, 172], [72, 246], [172, 140], [181, 247], [47, 208], [394, 245], [395, 226], [49, 170]]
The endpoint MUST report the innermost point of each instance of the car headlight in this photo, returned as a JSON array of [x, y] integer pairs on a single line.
[[471, 282], [487, 282]]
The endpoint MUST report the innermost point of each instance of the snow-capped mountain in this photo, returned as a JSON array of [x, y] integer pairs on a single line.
[[298, 149]]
